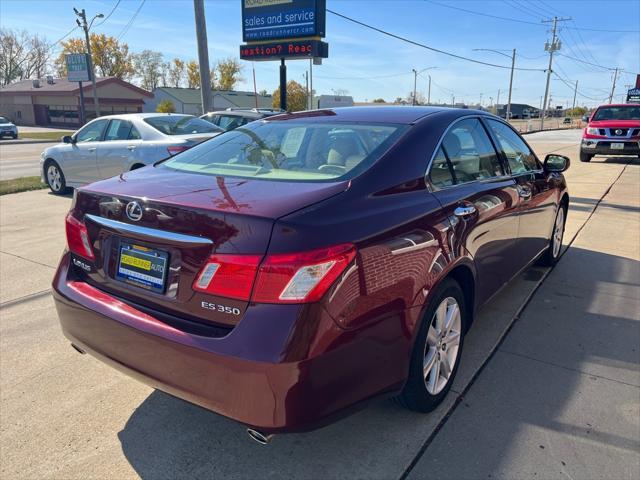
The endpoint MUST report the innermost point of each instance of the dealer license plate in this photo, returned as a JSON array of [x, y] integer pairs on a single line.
[[143, 267], [617, 146]]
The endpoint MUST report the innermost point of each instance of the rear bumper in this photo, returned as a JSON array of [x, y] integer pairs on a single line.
[[271, 372], [603, 147]]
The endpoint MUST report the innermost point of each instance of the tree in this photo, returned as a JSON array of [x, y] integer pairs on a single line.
[[148, 66], [22, 56], [296, 97], [166, 106], [110, 57], [193, 74], [576, 112], [379, 100], [229, 71], [176, 72], [263, 93], [165, 68]]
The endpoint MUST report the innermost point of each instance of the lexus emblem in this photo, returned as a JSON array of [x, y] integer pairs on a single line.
[[618, 132], [134, 211]]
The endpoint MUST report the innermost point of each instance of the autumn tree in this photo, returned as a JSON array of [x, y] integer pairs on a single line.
[[148, 67], [176, 72], [166, 106], [22, 56], [110, 57], [193, 74], [296, 97], [379, 100], [228, 71]]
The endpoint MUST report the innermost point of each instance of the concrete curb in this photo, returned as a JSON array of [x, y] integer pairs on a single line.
[[26, 141]]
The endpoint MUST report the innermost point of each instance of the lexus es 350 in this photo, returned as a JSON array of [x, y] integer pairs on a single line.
[[288, 271], [114, 144]]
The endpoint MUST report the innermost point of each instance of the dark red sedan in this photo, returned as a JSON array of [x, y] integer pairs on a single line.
[[285, 272]]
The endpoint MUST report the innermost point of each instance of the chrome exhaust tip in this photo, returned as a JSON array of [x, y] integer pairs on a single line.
[[258, 436]]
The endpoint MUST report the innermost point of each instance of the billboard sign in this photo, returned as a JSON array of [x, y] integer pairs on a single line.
[[77, 67], [265, 20], [286, 50], [633, 95]]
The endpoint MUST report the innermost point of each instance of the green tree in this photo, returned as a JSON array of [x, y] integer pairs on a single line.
[[576, 112], [296, 97], [379, 100], [166, 106]]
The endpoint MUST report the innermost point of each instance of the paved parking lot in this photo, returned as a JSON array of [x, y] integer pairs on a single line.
[[548, 387]]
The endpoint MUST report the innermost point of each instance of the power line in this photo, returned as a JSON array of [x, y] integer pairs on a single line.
[[568, 84], [110, 13], [364, 78], [64, 36], [584, 61], [126, 28], [398, 37], [473, 12]]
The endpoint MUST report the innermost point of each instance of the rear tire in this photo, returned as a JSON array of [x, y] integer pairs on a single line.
[[437, 350], [55, 178], [551, 256], [585, 157]]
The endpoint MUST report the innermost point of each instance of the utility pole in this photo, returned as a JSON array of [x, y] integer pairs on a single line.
[[415, 81], [575, 92], [550, 47], [82, 15], [311, 83], [429, 91], [203, 55], [613, 87], [255, 88], [283, 85], [497, 101], [513, 66], [306, 86], [481, 100]]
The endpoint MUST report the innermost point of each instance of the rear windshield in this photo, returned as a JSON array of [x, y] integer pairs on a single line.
[[630, 112], [177, 125], [290, 151]]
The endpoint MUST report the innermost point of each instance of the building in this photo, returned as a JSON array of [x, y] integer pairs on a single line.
[[188, 100], [56, 101], [333, 101], [519, 110]]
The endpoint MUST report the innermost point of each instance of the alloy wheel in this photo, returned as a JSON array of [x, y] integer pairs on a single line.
[[558, 232], [443, 342], [54, 178]]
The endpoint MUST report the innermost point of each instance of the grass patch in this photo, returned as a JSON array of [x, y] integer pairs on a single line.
[[54, 136], [23, 184]]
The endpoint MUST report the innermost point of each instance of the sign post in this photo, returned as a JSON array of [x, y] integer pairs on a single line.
[[281, 30], [78, 71]]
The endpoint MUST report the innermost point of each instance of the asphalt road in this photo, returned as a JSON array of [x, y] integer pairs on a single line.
[[20, 160], [559, 397]]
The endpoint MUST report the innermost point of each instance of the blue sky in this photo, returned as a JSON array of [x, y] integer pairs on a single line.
[[369, 65]]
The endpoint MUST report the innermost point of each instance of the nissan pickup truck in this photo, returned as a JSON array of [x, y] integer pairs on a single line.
[[612, 130]]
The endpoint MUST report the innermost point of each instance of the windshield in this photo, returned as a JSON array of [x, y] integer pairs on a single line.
[[289, 150], [178, 125], [631, 112], [4, 120]]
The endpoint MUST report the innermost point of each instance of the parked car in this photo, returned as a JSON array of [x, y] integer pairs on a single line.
[[8, 129], [285, 273], [231, 119], [612, 130], [114, 144]]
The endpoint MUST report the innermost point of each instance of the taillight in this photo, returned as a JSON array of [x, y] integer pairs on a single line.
[[78, 237], [176, 149], [284, 278], [229, 276]]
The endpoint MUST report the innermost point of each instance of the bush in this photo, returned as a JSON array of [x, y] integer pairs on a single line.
[[166, 106]]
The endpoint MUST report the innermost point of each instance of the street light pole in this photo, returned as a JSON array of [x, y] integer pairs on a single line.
[[575, 92], [415, 81], [513, 66], [429, 91], [613, 87], [83, 24]]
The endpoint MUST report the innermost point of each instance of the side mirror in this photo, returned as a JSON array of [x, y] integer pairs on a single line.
[[556, 163], [67, 139]]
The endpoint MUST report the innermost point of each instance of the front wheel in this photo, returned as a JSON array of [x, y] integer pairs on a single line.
[[55, 178], [585, 157], [436, 353], [552, 254]]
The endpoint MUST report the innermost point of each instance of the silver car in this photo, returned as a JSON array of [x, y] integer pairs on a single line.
[[111, 145], [8, 129]]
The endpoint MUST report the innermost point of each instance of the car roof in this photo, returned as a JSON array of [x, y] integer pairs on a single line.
[[382, 114], [145, 115], [620, 105]]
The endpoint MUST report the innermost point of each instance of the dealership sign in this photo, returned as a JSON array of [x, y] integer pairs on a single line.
[[264, 20], [633, 95], [287, 50], [77, 67]]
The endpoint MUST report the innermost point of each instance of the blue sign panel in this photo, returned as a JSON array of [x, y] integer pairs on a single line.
[[264, 20]]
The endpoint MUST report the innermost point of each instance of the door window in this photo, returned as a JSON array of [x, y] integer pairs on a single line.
[[441, 175], [521, 159], [118, 130], [92, 132], [470, 152]]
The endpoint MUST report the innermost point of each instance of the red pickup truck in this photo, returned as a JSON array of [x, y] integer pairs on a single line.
[[612, 130]]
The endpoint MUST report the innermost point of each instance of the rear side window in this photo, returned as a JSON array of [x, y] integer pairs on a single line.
[[519, 156], [230, 122], [180, 125], [470, 152], [440, 174]]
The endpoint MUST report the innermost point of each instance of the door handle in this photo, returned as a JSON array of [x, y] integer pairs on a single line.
[[93, 149], [524, 192], [131, 147], [464, 211]]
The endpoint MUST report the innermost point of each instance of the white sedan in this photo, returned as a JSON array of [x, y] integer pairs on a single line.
[[111, 145]]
